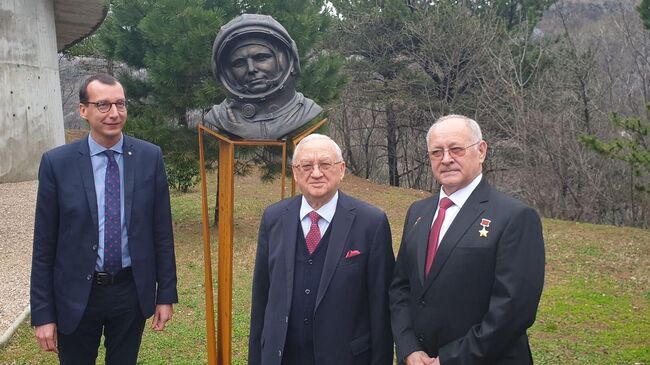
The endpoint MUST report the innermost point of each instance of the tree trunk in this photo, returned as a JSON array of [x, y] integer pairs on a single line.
[[110, 67], [347, 143], [391, 146], [182, 117]]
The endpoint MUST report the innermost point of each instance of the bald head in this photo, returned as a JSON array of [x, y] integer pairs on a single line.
[[317, 137], [318, 169], [456, 151], [471, 124]]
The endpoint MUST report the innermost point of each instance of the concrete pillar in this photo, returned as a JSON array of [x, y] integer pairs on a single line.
[[31, 115]]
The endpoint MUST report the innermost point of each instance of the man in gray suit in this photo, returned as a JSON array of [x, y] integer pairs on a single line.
[[470, 268]]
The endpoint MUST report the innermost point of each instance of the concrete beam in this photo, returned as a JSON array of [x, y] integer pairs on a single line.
[[76, 19], [31, 115]]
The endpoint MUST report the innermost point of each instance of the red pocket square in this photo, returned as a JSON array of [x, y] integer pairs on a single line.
[[352, 253]]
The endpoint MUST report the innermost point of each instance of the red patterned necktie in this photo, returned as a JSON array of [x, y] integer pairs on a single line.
[[434, 235], [313, 236], [112, 217]]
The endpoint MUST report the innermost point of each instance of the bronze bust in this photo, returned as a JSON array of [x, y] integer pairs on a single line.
[[257, 62]]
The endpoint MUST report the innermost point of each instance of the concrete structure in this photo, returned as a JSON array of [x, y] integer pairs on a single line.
[[31, 117]]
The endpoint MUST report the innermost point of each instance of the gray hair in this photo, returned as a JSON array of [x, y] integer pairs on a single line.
[[474, 128], [316, 136]]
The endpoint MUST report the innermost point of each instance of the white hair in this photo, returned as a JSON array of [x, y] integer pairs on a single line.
[[314, 137], [471, 124]]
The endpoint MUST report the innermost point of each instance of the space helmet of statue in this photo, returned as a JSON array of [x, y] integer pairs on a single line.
[[257, 62], [261, 29]]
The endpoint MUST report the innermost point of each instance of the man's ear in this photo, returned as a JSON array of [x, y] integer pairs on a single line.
[[482, 149], [83, 110]]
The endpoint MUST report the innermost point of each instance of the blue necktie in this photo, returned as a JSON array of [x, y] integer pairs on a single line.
[[112, 217]]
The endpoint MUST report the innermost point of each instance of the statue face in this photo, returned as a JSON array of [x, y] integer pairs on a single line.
[[254, 67]]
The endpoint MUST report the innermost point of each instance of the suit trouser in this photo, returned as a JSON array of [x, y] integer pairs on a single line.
[[113, 309]]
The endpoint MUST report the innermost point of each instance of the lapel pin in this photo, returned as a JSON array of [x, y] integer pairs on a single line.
[[484, 223], [416, 221], [129, 153]]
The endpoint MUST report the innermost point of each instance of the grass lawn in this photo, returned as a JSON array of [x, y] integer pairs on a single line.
[[595, 307]]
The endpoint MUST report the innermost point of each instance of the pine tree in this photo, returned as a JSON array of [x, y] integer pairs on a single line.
[[167, 47], [171, 40]]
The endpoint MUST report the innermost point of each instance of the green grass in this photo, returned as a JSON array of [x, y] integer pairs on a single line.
[[595, 307]]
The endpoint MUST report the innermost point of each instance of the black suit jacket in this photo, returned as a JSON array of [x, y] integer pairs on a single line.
[[481, 293], [66, 232], [351, 316]]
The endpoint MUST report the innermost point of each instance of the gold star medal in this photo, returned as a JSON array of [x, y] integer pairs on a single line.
[[484, 223]]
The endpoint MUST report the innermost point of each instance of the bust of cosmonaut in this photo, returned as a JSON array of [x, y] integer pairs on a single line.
[[257, 62]]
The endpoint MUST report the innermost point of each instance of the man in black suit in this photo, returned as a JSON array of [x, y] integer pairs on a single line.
[[323, 266], [103, 258], [470, 268]]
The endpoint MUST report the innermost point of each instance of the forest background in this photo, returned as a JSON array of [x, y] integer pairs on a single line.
[[561, 89]]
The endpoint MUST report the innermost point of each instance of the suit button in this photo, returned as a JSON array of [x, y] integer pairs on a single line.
[[306, 320], [307, 291], [420, 338], [88, 277], [422, 303], [279, 353], [94, 247], [310, 262]]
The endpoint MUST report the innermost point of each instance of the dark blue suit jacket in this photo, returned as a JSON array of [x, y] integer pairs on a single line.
[[66, 232], [482, 291], [351, 316]]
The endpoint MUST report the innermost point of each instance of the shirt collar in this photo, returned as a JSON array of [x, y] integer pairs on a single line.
[[326, 211], [460, 196], [96, 148]]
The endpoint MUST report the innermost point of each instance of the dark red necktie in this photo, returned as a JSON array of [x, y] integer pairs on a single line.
[[434, 235], [313, 236], [112, 217]]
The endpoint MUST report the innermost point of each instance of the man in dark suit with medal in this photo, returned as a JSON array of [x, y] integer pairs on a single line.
[[470, 268], [323, 266]]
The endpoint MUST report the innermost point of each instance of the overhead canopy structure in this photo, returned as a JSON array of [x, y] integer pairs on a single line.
[[76, 19], [31, 115]]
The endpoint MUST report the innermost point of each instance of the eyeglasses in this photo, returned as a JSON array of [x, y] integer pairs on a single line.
[[322, 166], [453, 152], [104, 106]]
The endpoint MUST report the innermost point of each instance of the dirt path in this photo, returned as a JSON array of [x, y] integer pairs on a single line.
[[17, 204]]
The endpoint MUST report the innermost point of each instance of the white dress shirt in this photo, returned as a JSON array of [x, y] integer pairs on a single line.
[[326, 213], [459, 198]]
